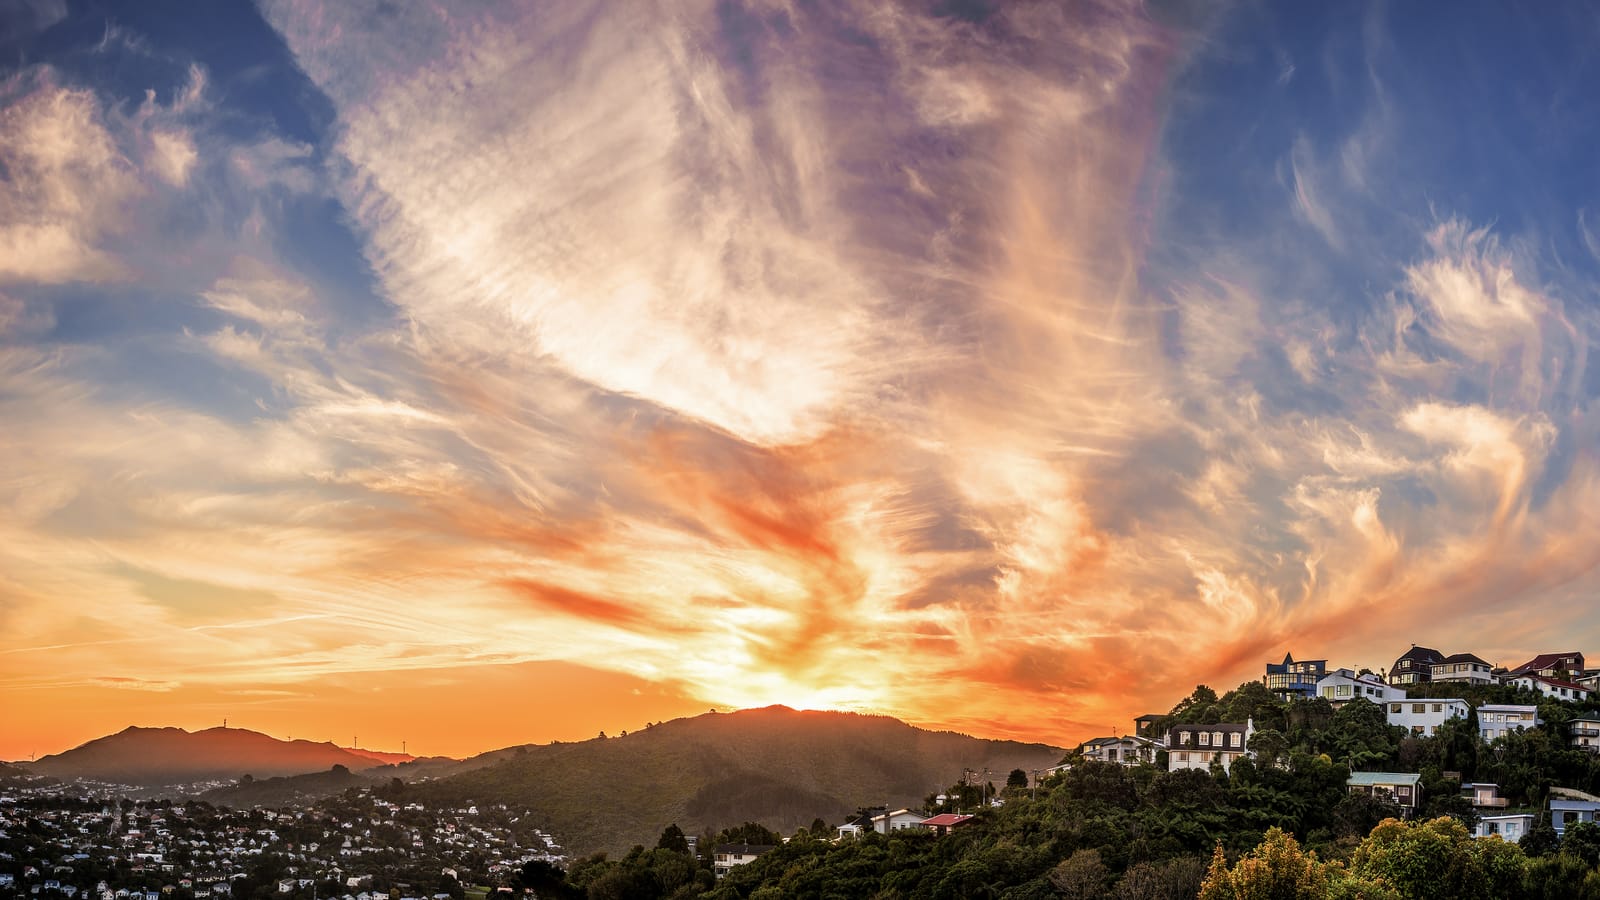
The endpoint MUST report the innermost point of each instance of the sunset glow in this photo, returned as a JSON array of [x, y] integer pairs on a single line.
[[468, 377]]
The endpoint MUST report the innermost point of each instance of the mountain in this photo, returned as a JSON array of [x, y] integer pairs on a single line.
[[775, 766], [162, 756]]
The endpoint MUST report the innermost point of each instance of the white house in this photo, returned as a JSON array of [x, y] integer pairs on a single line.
[[1554, 688], [1463, 667], [1343, 685], [1496, 719], [1424, 715], [1484, 795], [1509, 826], [1585, 733], [1196, 746], [899, 820], [729, 855], [1126, 751]]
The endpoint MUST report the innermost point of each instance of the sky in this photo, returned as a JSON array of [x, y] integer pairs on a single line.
[[463, 375]]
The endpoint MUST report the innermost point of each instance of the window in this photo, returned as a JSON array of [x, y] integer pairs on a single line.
[[1419, 707], [1394, 709], [1183, 737], [1416, 729], [1236, 738], [1216, 738], [1205, 739], [1438, 707]]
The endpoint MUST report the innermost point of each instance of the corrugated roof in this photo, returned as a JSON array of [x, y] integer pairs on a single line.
[[1377, 779]]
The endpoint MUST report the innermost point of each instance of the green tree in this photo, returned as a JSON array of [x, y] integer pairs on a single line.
[[1582, 841], [673, 839], [1017, 779], [1277, 869], [1082, 876], [1440, 860]]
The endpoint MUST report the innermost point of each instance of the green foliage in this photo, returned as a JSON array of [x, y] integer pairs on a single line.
[[1440, 860], [673, 838]]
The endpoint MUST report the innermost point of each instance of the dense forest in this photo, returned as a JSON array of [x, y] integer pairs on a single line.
[[1281, 825]]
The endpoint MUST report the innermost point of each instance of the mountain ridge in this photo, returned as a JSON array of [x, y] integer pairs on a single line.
[[151, 757]]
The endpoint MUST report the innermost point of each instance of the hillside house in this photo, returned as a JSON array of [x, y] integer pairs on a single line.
[[1143, 724], [1508, 826], [1125, 751], [1585, 733], [1554, 688], [1404, 789], [726, 856], [1564, 812], [1567, 666], [1343, 685], [899, 820], [1291, 680], [1496, 719], [1463, 667], [944, 823], [1196, 746], [1415, 666], [1424, 716], [1484, 795]]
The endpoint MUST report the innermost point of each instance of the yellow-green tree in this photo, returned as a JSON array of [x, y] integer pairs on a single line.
[[1278, 869], [1440, 860]]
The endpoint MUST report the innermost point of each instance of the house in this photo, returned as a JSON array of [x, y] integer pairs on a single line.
[[1292, 680], [1554, 688], [1585, 732], [1566, 811], [1197, 746], [1424, 715], [1143, 724], [1463, 667], [1343, 685], [1415, 666], [1126, 751], [1565, 666], [1404, 789], [899, 820], [862, 822], [1496, 719], [1484, 795], [1509, 826], [729, 855], [944, 823]]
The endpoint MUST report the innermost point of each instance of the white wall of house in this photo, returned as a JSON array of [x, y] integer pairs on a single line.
[[1344, 685], [1424, 716], [899, 820], [1465, 671], [1554, 690], [1509, 827], [1496, 719]]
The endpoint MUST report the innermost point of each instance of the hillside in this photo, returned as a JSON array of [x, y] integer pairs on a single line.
[[286, 790], [160, 756], [775, 766]]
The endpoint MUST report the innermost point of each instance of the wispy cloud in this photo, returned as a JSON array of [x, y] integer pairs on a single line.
[[850, 356]]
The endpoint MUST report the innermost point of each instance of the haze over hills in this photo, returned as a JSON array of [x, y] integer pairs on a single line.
[[160, 756], [775, 766]]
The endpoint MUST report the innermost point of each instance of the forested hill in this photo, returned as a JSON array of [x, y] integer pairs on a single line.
[[775, 766]]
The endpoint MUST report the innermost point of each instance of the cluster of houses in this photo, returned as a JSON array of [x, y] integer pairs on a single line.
[[154, 852], [1557, 676]]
